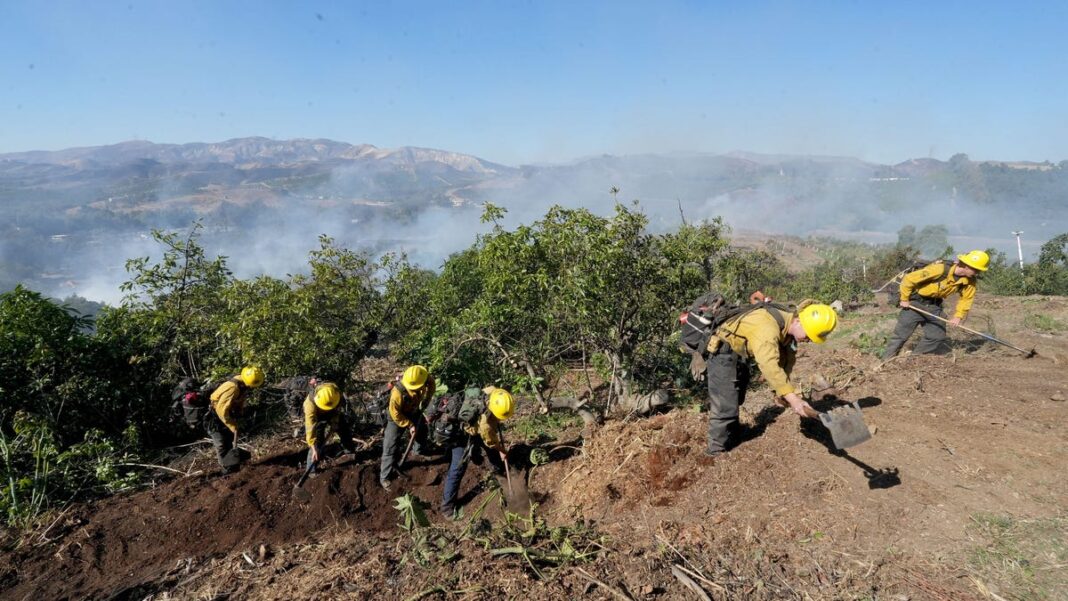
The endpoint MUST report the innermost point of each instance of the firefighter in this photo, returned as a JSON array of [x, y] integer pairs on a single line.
[[466, 425], [769, 336], [297, 390], [323, 417], [227, 403], [406, 405], [926, 289]]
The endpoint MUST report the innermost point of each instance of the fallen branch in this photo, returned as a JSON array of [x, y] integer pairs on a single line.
[[190, 444], [610, 589]]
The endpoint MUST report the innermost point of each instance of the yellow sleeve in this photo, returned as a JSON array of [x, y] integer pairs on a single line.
[[223, 399], [912, 280], [967, 295], [395, 409], [489, 430], [765, 351], [310, 419]]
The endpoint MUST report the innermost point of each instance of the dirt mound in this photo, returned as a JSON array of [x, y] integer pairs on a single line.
[[956, 440], [128, 545]]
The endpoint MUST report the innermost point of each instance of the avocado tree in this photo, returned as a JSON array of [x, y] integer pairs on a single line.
[[174, 307], [322, 322], [570, 286]]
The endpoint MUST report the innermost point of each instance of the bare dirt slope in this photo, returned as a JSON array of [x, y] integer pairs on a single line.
[[959, 495]]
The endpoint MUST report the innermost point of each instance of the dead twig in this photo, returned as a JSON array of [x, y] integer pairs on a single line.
[[190, 444], [624, 462], [689, 583], [617, 593], [158, 467], [703, 579]]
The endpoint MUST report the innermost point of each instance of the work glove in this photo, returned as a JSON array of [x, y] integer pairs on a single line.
[[697, 366]]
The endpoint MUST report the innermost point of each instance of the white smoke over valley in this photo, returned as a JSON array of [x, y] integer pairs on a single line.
[[74, 217]]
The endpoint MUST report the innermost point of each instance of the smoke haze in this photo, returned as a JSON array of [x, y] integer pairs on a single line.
[[74, 217]]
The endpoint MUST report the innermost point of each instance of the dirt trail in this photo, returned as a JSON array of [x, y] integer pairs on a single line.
[[126, 546]]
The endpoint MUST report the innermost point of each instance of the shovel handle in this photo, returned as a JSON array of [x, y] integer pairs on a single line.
[[508, 475], [304, 476], [407, 451], [967, 329]]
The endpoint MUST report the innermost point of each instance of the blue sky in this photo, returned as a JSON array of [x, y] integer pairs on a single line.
[[519, 82]]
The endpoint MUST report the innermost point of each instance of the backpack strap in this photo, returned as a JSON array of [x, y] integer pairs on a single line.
[[947, 268], [776, 311]]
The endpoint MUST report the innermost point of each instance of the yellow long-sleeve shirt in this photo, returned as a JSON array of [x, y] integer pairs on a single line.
[[489, 428], [926, 282], [313, 416], [757, 335], [228, 401], [405, 408]]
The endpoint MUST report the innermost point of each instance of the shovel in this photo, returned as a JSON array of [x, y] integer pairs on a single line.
[[1027, 354], [846, 425], [298, 489], [407, 451], [508, 474]]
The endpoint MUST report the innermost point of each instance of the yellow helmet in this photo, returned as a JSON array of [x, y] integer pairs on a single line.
[[327, 396], [976, 259], [414, 377], [501, 403], [818, 320], [252, 376]]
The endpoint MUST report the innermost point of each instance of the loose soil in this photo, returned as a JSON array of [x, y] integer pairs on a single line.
[[956, 438]]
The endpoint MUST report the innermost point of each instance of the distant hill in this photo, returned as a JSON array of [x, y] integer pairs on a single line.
[[68, 213]]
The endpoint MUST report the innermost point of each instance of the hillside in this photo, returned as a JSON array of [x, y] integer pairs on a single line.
[[959, 495]]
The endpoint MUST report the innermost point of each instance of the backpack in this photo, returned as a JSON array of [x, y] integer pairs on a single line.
[[192, 401], [473, 407], [448, 426], [893, 296], [708, 312], [377, 409]]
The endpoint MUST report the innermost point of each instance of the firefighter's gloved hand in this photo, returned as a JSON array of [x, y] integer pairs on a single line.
[[315, 454], [800, 406], [905, 304], [697, 367]]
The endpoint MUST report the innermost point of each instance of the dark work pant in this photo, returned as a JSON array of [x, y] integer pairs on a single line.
[[728, 378], [934, 331], [458, 458], [391, 447], [223, 441], [344, 432]]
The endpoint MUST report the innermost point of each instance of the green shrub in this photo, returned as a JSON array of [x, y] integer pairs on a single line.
[[1044, 323]]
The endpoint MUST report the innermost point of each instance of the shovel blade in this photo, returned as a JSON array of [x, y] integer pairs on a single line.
[[846, 425], [301, 495]]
